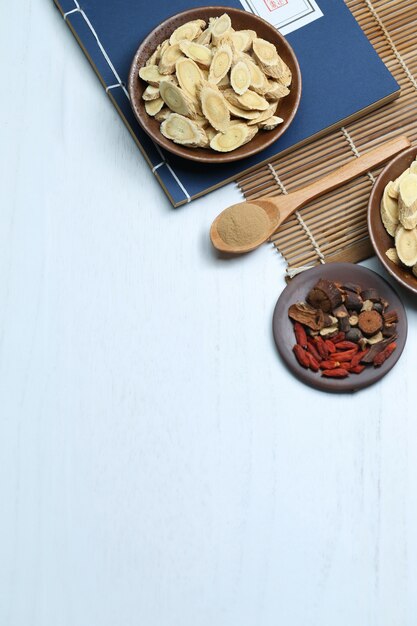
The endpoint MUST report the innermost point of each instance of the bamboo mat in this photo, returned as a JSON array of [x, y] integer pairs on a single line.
[[334, 227]]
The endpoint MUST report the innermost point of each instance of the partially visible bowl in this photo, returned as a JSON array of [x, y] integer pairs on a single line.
[[380, 239], [240, 20]]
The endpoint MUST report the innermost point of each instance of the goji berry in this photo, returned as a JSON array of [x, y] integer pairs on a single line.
[[382, 356], [301, 356], [312, 349], [329, 365], [345, 345], [346, 355], [314, 364], [339, 337], [330, 345], [300, 334], [340, 372], [321, 347], [357, 358]]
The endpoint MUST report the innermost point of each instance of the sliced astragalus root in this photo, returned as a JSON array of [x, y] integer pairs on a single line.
[[264, 115], [396, 187], [201, 121], [177, 99], [234, 137], [389, 211], [407, 201], [220, 27], [189, 31], [198, 53], [224, 82], [153, 107], [393, 191], [243, 113], [220, 64], [204, 38], [160, 49], [280, 71], [210, 132], [214, 107], [258, 80], [392, 254], [163, 114], [240, 77], [184, 131], [242, 40], [406, 245], [169, 58], [249, 100], [151, 93], [276, 90], [271, 123], [154, 58], [189, 76], [265, 52], [151, 75]]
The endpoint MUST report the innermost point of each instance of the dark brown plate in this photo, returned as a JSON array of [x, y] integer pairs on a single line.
[[297, 290], [380, 239], [240, 20]]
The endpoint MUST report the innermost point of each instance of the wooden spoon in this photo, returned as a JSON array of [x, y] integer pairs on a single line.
[[279, 208]]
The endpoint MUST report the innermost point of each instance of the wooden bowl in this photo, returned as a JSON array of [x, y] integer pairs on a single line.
[[240, 20], [380, 239]]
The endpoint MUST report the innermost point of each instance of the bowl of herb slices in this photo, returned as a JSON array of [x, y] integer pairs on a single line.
[[214, 84]]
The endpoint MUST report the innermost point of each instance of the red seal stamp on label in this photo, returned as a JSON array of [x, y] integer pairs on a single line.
[[273, 5]]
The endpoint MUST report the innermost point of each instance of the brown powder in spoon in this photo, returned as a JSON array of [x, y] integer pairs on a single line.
[[243, 224]]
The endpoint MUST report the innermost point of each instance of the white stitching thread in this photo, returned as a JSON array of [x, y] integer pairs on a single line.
[[78, 9], [114, 87], [302, 224], [355, 150]]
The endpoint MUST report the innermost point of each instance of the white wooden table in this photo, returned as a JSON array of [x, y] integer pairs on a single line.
[[158, 465]]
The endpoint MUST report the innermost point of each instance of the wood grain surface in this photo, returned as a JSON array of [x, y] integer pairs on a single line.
[[158, 465]]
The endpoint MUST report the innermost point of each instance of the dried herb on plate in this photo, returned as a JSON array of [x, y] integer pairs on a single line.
[[342, 329]]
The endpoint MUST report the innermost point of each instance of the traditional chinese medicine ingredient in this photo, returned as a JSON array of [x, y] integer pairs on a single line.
[[399, 216], [216, 77], [370, 322], [243, 224], [338, 339], [307, 315], [271, 123], [189, 76], [220, 65], [232, 138], [214, 107], [325, 296], [406, 245], [169, 59], [183, 131], [240, 77], [189, 31], [177, 100], [153, 107], [407, 201]]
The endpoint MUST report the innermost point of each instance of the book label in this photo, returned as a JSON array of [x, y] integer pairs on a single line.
[[285, 15]]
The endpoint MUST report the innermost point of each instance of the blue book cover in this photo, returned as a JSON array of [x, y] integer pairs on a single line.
[[343, 77]]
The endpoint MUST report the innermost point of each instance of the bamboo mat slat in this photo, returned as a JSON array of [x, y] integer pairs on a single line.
[[333, 228]]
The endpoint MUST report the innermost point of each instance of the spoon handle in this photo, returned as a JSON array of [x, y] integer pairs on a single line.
[[342, 175]]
